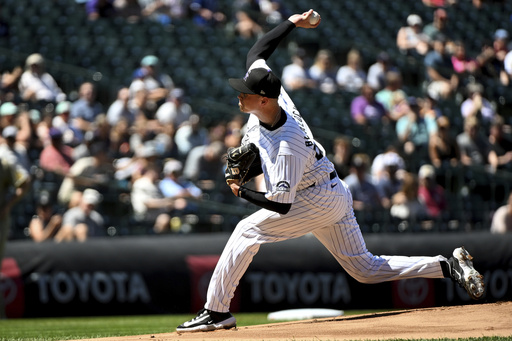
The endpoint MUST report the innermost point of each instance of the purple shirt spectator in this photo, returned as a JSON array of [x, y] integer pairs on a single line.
[[365, 109]]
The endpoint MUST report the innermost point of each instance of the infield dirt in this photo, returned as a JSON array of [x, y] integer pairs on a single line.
[[472, 320]]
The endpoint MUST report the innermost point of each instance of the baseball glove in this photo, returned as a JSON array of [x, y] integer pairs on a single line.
[[239, 162]]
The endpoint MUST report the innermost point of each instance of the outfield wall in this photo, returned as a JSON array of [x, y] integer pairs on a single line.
[[169, 274]]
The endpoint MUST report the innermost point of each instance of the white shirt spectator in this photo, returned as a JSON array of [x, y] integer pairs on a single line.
[[350, 79], [169, 113]]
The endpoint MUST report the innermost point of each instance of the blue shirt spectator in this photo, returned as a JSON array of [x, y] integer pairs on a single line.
[[86, 108], [173, 186]]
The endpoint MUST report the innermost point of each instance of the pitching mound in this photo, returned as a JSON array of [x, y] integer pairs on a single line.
[[476, 320]]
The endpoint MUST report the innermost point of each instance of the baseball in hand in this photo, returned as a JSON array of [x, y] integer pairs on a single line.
[[314, 18]]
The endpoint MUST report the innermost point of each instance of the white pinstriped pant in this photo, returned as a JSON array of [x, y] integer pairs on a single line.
[[326, 212]]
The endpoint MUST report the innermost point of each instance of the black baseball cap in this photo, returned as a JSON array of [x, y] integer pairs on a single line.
[[258, 81]]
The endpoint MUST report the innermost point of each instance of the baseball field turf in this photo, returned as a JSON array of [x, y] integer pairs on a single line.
[[94, 327]]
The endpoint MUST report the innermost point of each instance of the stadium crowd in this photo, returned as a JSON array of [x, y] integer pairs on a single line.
[[147, 163]]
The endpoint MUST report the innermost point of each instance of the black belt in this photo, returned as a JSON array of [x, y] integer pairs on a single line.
[[332, 176]]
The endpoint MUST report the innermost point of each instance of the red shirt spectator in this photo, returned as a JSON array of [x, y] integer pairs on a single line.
[[56, 157], [431, 193]]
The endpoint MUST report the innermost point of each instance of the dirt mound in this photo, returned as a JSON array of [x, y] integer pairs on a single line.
[[475, 320]]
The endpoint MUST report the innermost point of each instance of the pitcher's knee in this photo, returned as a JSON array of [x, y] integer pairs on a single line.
[[366, 272], [367, 278]]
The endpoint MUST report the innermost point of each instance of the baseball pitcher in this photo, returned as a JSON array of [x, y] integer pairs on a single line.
[[303, 195]]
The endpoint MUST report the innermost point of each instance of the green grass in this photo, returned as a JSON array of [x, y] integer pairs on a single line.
[[50, 329]]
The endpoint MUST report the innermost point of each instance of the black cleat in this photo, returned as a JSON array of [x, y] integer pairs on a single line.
[[207, 320]]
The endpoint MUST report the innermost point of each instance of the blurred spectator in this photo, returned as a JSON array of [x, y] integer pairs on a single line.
[[377, 73], [323, 71], [38, 85], [233, 133], [414, 130], [12, 151], [165, 142], [439, 3], [410, 39], [149, 204], [390, 156], [442, 80], [431, 193], [175, 111], [174, 186], [492, 57], [120, 109], [246, 23], [131, 168], [477, 105], [502, 218], [45, 224], [430, 107], [507, 64], [442, 146], [131, 10], [399, 106], [366, 110], [392, 89], [207, 13], [120, 139], [33, 143], [500, 155], [85, 110], [389, 179], [179, 9], [9, 83], [365, 195], [191, 135], [96, 9], [94, 171], [351, 76], [62, 121], [100, 132], [474, 147], [14, 184], [24, 124], [273, 10], [295, 75], [501, 43], [462, 63], [405, 204], [478, 4], [8, 114], [17, 116], [158, 10], [143, 109], [204, 165], [157, 84], [82, 221], [165, 12], [341, 155], [56, 157], [439, 26], [141, 137]]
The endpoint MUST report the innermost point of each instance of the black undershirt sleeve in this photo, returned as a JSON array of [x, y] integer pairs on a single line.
[[267, 44], [258, 198], [263, 49]]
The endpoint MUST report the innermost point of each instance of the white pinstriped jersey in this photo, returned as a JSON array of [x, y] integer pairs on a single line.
[[291, 163], [291, 159]]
